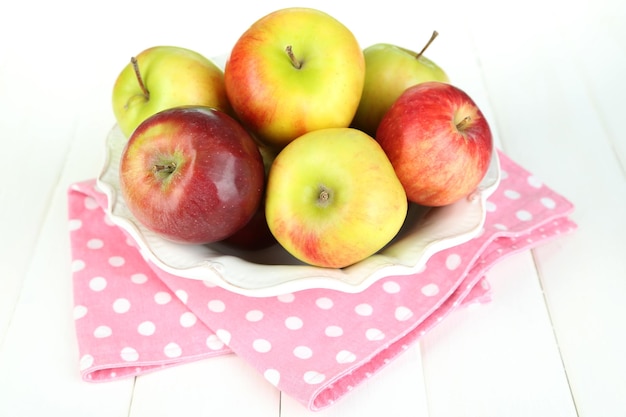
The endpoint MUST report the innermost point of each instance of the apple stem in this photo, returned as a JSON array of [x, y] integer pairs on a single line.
[[324, 197], [463, 123], [296, 64], [164, 168], [145, 91], [432, 38]]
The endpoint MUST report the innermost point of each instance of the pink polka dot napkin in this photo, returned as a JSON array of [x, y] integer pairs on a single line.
[[314, 345]]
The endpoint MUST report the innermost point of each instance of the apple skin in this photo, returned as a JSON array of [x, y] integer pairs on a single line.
[[389, 70], [174, 77], [333, 198], [255, 235], [279, 102], [214, 186], [438, 154]]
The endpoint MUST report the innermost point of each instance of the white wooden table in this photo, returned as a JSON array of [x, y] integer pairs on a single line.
[[549, 74]]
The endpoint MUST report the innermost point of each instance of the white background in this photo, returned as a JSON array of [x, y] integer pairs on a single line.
[[549, 75]]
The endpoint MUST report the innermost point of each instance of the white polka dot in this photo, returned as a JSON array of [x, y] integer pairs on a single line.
[[217, 306], [138, 278], [172, 350], [333, 331], [79, 312], [261, 345], [95, 243], [121, 305], [90, 203], [548, 202], [374, 334], [272, 375], [162, 297], [102, 332], [511, 194], [117, 261], [182, 296], [97, 284], [74, 224], [324, 303], [403, 313], [224, 335], [129, 354], [345, 356], [490, 206], [302, 352], [254, 315], [391, 287], [453, 261], [78, 265], [293, 322], [286, 298], [313, 377], [430, 290], [187, 319], [523, 215], [86, 361], [214, 343], [534, 182], [364, 309], [500, 226], [146, 328]]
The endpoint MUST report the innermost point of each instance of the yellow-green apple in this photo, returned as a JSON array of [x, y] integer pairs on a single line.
[[389, 70], [438, 141], [192, 174], [163, 77], [333, 198], [293, 71]]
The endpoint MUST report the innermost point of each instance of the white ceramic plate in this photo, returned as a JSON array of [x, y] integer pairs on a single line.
[[272, 271]]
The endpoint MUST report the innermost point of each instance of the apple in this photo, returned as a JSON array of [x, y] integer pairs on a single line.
[[438, 141], [192, 174], [333, 198], [293, 71], [256, 234], [389, 70], [163, 77]]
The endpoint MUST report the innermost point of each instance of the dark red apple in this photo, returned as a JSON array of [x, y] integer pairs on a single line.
[[192, 175], [255, 235], [438, 142]]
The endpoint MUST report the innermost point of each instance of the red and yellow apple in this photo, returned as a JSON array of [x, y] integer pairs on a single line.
[[192, 175], [293, 71], [389, 70], [438, 142], [163, 77], [333, 198]]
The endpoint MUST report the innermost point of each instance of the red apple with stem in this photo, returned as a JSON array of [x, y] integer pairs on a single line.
[[438, 142], [192, 174]]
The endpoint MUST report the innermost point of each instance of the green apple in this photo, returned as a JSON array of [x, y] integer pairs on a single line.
[[333, 198], [293, 71], [389, 70], [164, 77]]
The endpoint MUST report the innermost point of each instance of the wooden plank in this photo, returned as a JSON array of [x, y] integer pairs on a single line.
[[220, 386], [498, 359], [568, 99], [39, 360]]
